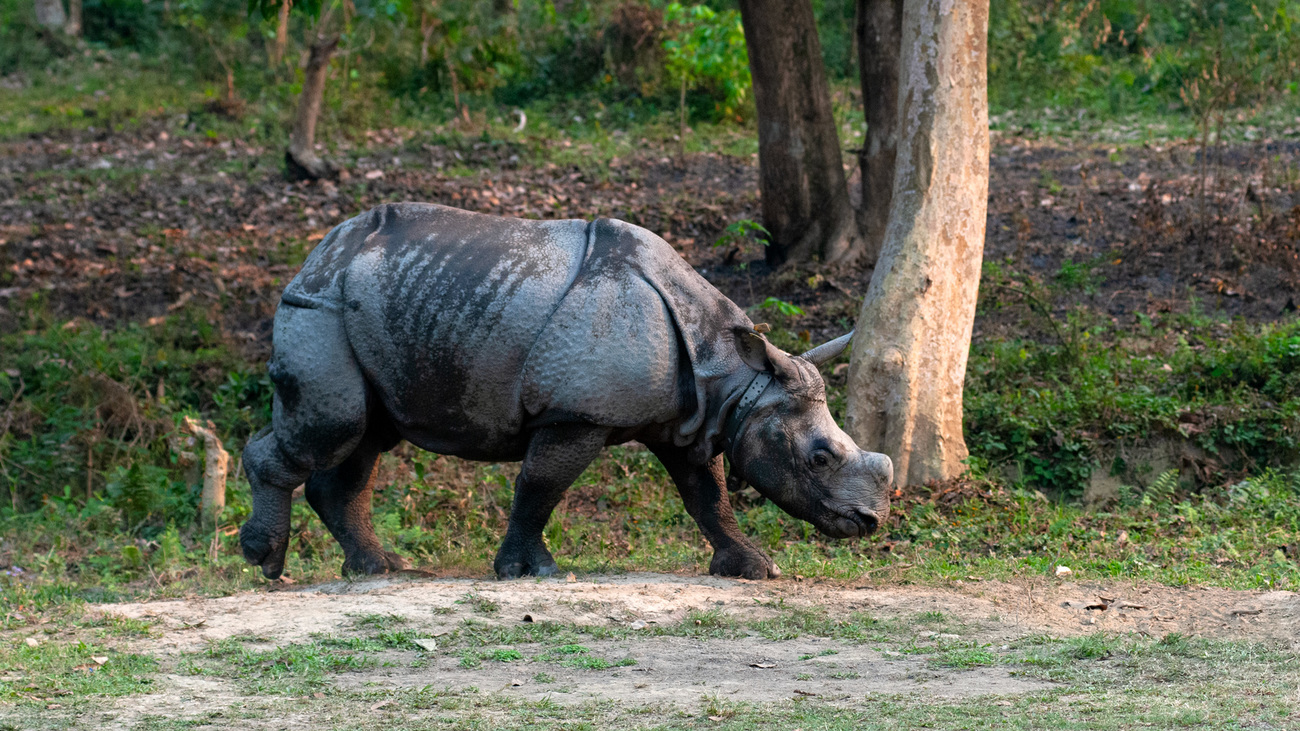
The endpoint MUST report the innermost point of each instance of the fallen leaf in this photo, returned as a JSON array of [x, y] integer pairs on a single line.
[[804, 692], [318, 695], [100, 659], [763, 665], [374, 174], [570, 578], [1063, 570]]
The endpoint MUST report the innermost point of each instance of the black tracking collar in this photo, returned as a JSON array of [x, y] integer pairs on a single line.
[[746, 404]]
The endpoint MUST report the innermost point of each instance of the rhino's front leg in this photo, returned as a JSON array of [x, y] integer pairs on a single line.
[[556, 456], [703, 489]]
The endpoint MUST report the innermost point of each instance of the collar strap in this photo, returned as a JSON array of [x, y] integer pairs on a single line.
[[746, 404]]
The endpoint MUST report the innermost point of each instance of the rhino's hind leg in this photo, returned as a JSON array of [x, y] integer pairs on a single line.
[[273, 475], [318, 418], [556, 457], [341, 497], [704, 491]]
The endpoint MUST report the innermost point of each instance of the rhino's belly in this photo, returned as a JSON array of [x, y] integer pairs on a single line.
[[442, 326]]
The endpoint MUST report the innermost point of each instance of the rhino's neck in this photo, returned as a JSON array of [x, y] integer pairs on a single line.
[[723, 396]]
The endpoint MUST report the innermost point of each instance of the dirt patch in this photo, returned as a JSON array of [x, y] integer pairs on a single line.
[[999, 610], [681, 670]]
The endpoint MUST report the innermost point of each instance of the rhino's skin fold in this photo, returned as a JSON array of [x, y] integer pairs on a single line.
[[506, 339]]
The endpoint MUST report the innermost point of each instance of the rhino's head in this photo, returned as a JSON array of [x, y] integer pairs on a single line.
[[782, 441]]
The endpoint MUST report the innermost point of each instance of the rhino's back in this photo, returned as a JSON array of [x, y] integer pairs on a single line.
[[442, 307]]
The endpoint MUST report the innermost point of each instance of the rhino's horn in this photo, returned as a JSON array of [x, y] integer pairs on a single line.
[[826, 352]]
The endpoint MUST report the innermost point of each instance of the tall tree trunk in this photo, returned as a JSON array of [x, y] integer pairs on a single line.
[[907, 372], [281, 33], [801, 174], [879, 41], [301, 157], [49, 13], [72, 26]]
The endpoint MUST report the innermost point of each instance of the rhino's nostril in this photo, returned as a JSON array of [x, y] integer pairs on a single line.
[[870, 521]]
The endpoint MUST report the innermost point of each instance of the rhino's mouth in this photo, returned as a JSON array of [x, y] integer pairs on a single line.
[[850, 521]]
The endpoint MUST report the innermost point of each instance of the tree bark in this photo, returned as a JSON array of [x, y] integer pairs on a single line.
[[908, 369], [805, 204], [72, 26], [281, 33], [301, 157], [49, 13], [879, 41]]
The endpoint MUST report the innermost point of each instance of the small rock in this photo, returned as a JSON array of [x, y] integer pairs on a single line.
[[374, 174], [99, 660], [426, 643], [638, 624], [33, 642], [1063, 571]]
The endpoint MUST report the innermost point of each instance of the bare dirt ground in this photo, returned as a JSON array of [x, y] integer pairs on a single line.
[[131, 226], [677, 670]]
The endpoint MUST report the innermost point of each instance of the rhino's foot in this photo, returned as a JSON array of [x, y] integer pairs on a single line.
[[535, 562], [264, 548], [743, 561], [373, 562]]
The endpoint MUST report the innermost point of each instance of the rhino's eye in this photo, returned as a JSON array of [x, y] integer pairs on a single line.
[[821, 459]]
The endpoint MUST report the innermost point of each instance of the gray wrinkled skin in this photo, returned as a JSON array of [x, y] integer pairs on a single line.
[[543, 341]]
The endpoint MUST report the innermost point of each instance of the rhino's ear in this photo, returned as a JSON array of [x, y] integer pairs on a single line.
[[752, 348], [826, 352], [763, 356]]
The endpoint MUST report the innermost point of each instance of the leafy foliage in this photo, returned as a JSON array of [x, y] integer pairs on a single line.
[[1116, 55], [706, 49]]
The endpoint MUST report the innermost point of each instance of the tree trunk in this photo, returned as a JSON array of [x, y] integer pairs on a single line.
[[301, 157], [806, 204], [908, 368], [49, 13], [281, 33], [879, 41], [72, 26]]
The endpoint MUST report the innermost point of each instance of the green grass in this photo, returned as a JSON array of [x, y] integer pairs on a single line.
[[55, 668], [136, 534]]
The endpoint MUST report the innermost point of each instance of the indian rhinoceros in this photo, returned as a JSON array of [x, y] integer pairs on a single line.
[[505, 339]]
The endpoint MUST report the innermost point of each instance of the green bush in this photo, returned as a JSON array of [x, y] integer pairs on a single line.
[[1120, 55]]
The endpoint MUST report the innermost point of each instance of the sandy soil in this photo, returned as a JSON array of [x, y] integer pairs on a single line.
[[676, 670]]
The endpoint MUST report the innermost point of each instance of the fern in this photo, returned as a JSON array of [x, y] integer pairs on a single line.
[[1162, 488]]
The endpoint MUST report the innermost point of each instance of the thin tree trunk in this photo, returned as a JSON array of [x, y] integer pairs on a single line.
[[301, 157], [455, 84], [281, 33], [49, 13], [906, 375], [427, 25], [879, 41], [72, 26], [801, 174]]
